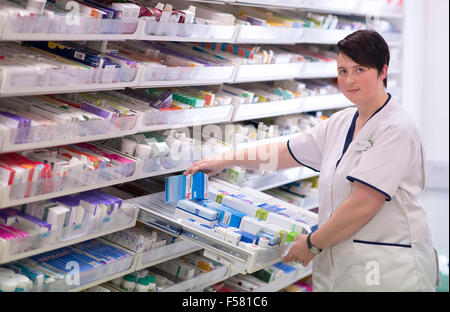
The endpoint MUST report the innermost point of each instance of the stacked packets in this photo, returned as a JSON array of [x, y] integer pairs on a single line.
[[22, 224], [238, 219], [42, 171], [52, 270]]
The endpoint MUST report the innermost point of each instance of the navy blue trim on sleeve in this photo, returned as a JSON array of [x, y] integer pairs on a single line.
[[292, 154], [381, 244], [352, 179]]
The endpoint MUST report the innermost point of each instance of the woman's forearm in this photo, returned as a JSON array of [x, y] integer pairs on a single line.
[[346, 221]]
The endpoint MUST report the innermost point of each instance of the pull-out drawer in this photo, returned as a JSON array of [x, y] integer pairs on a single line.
[[157, 213]]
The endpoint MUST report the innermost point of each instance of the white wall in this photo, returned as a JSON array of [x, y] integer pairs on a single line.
[[425, 94], [425, 80], [436, 113], [413, 66]]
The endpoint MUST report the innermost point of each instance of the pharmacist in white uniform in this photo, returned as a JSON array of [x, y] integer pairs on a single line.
[[373, 232]]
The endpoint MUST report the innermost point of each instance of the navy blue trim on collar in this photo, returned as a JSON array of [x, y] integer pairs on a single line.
[[351, 130], [349, 137], [292, 154], [387, 101], [352, 179]]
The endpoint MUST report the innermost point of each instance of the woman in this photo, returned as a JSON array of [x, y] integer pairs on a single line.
[[373, 233]]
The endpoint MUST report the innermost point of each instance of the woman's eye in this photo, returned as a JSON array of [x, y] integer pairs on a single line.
[[360, 70], [342, 71]]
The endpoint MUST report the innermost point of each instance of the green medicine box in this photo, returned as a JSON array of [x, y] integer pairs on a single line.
[[290, 236]]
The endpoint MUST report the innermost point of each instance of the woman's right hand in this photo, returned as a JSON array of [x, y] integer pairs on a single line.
[[210, 166]]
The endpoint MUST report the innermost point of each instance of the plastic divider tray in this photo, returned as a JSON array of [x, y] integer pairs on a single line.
[[102, 274], [155, 256], [330, 5], [286, 279], [90, 227], [187, 32], [255, 143], [319, 70], [158, 120], [17, 194], [60, 183], [181, 161], [268, 34], [320, 35], [323, 102], [60, 134], [156, 213], [377, 8], [162, 164], [392, 38], [200, 282], [278, 178], [261, 72], [71, 27], [372, 7], [266, 109], [276, 3], [298, 105], [177, 76], [32, 80]]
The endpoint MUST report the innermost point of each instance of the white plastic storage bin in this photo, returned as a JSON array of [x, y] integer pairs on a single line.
[[166, 253], [45, 27], [90, 227], [200, 282], [324, 102], [341, 6], [29, 81], [373, 7], [158, 120], [262, 72], [60, 134], [280, 3], [324, 36], [392, 38], [319, 70], [105, 272], [268, 34], [151, 165], [187, 32], [279, 178], [287, 279], [176, 76], [254, 143], [154, 166], [266, 109], [85, 279], [17, 194], [182, 160]]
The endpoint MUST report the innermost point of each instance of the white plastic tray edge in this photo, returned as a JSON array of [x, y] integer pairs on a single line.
[[113, 276], [8, 203], [6, 258], [140, 257], [9, 34], [277, 285]]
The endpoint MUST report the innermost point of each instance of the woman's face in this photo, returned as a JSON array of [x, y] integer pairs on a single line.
[[358, 83]]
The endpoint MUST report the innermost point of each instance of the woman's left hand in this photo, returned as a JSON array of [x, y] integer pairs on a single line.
[[299, 252]]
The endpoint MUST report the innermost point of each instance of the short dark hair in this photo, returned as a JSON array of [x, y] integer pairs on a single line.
[[367, 48]]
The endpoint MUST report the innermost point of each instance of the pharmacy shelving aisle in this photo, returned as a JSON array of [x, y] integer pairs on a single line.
[[19, 81]]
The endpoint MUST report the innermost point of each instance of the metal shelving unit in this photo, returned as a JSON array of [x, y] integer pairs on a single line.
[[235, 259]]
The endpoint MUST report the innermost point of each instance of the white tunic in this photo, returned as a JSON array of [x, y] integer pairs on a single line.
[[393, 251]]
